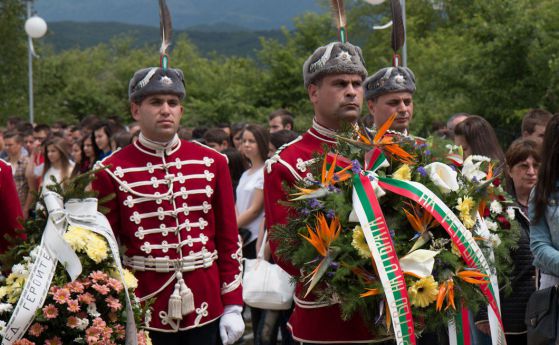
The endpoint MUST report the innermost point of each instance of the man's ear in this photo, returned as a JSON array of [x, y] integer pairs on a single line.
[[289, 127], [371, 106], [312, 90], [134, 110]]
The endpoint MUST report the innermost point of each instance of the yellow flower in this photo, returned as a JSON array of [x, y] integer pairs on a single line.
[[3, 292], [130, 280], [96, 247], [76, 237], [403, 173], [424, 292], [466, 206], [359, 243]]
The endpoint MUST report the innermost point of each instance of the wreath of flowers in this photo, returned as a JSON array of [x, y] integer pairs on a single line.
[[89, 310], [326, 242]]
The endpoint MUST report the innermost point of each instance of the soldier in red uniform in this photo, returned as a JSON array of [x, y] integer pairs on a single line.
[[10, 207], [333, 76], [174, 213]]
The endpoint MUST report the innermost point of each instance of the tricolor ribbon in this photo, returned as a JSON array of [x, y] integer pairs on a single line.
[[52, 249]]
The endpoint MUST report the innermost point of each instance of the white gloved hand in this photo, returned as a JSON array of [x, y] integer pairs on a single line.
[[231, 325]]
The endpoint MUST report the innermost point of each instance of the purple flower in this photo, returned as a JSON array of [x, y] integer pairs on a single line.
[[427, 152], [355, 166], [305, 211], [334, 265], [330, 214], [313, 203], [336, 178], [333, 188], [422, 171]]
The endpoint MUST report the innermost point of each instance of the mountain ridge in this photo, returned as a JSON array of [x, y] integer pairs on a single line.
[[249, 14]]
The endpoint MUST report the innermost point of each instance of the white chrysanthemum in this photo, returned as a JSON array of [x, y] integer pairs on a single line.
[[2, 328], [491, 225], [510, 213], [92, 310], [20, 270], [494, 240], [5, 308], [496, 207], [83, 323], [34, 253]]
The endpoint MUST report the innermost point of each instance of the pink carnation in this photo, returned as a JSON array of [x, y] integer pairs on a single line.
[[102, 289], [115, 284], [53, 341], [75, 287], [50, 311], [86, 298], [120, 331], [73, 322], [113, 303], [98, 276], [36, 329], [73, 306], [62, 296]]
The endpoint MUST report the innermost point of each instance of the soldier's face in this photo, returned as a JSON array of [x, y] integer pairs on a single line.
[[158, 116], [337, 99], [384, 106]]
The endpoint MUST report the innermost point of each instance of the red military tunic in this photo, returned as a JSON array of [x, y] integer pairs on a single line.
[[10, 207], [311, 321], [175, 214]]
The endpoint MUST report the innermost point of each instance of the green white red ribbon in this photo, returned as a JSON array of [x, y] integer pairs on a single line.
[[384, 254]]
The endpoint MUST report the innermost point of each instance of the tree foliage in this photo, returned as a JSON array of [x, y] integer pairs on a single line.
[[495, 58]]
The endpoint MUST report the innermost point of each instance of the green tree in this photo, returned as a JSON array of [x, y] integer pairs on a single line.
[[13, 60]]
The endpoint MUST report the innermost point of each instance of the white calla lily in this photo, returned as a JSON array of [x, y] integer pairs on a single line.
[[472, 167], [419, 262], [443, 177]]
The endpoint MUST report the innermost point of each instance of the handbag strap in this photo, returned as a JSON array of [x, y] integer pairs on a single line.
[[262, 245]]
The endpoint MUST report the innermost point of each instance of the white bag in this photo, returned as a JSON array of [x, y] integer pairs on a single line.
[[266, 285]]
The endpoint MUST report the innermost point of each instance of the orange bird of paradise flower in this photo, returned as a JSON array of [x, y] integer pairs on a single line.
[[420, 224], [473, 277], [446, 290], [321, 238], [329, 178], [387, 142]]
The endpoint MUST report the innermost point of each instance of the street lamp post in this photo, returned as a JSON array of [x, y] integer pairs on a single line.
[[35, 27]]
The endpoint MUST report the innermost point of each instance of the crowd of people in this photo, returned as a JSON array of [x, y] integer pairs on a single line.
[[179, 210]]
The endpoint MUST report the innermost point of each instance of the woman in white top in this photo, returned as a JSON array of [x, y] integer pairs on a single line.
[[250, 205], [57, 162], [250, 194]]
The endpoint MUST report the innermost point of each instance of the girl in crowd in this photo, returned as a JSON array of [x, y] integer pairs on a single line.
[[89, 153], [250, 195], [57, 162], [544, 209], [101, 136], [477, 137], [236, 135], [250, 200], [79, 158]]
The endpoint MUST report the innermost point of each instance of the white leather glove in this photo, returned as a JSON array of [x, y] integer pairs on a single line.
[[231, 325]]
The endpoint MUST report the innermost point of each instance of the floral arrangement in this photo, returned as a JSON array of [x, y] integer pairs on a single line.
[[328, 243], [91, 309]]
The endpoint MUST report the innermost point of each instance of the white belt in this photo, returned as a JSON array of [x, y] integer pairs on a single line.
[[188, 263]]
